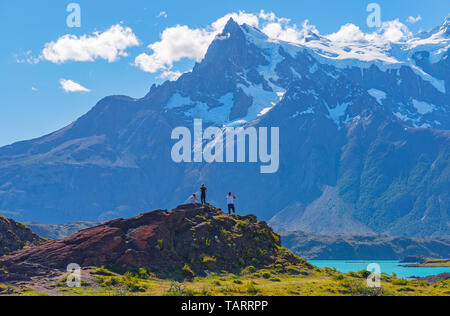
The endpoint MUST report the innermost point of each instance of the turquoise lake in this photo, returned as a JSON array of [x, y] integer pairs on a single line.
[[388, 267]]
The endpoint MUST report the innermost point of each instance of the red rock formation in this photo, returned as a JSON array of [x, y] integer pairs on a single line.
[[206, 239]]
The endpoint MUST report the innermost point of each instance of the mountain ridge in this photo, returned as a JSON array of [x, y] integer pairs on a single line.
[[364, 247], [376, 136]]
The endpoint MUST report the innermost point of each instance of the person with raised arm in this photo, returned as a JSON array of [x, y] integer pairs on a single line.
[[230, 202]]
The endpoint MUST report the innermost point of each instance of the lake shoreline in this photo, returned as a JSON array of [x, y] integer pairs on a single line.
[[390, 267]]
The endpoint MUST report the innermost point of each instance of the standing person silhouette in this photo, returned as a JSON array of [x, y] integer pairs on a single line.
[[230, 202], [203, 191]]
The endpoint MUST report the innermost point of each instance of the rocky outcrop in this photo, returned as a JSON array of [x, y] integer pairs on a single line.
[[189, 239], [434, 278], [15, 236]]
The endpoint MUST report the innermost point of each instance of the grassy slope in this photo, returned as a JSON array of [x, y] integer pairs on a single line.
[[432, 263], [285, 277], [321, 282]]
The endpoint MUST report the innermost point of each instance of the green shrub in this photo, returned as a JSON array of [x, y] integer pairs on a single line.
[[208, 259], [159, 245], [102, 271], [131, 283], [224, 232], [252, 289], [187, 271], [248, 270], [179, 289], [442, 284], [357, 288], [242, 224], [338, 277], [399, 282], [142, 273]]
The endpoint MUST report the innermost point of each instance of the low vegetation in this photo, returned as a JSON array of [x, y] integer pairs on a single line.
[[278, 281], [432, 263]]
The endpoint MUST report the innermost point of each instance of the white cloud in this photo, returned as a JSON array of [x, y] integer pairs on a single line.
[[170, 75], [162, 14], [34, 89], [240, 17], [394, 31], [109, 45], [72, 86], [390, 31], [283, 32], [181, 41], [27, 58], [176, 43], [413, 20], [348, 33], [282, 29]]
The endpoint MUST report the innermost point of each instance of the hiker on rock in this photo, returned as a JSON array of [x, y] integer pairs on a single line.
[[193, 199], [203, 191], [230, 202]]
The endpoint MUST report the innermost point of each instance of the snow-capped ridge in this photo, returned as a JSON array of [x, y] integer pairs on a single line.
[[246, 73], [445, 26]]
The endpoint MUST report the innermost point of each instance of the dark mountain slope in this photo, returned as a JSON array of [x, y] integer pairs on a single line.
[[365, 247], [360, 147]]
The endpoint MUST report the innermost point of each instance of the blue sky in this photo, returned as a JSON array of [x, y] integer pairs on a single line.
[[33, 102]]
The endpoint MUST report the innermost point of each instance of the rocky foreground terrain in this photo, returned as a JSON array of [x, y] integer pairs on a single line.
[[189, 239], [433, 279], [15, 236], [188, 251]]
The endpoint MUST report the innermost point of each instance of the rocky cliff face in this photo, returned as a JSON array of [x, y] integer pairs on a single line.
[[189, 239], [15, 236]]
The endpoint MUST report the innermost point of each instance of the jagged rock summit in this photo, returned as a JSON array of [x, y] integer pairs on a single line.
[[15, 236], [189, 240]]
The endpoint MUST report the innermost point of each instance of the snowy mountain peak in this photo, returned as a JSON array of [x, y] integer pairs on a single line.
[[445, 27], [232, 27], [246, 74]]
